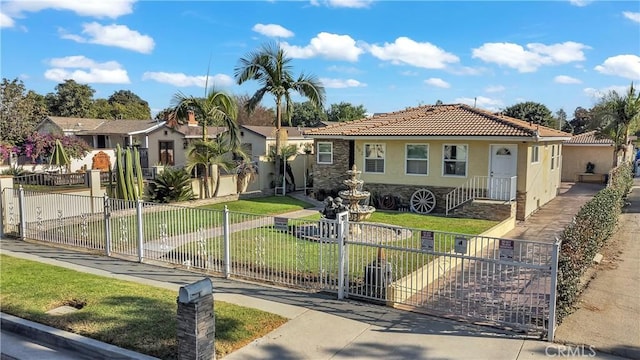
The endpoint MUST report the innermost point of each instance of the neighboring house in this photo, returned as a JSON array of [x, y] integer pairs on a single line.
[[587, 148], [104, 135], [259, 141], [437, 149]]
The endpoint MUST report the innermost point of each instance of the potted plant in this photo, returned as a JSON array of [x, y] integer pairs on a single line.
[[246, 173]]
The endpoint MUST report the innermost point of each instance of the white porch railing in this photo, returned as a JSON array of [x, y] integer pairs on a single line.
[[482, 187]]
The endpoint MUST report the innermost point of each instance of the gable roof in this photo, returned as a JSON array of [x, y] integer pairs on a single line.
[[195, 132], [269, 132], [455, 120], [123, 127], [588, 138], [75, 124]]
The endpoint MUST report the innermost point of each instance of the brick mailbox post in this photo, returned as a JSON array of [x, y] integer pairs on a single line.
[[196, 321]]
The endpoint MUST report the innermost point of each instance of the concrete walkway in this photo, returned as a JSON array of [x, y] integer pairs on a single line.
[[608, 314]]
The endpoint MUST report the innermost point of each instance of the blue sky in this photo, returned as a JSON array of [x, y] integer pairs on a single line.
[[385, 55]]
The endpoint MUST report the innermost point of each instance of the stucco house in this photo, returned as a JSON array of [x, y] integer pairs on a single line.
[[436, 158], [586, 148], [259, 141]]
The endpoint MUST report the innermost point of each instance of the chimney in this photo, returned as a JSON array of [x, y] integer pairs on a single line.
[[191, 118]]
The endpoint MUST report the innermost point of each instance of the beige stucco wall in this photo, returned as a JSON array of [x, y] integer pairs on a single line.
[[166, 134], [576, 157], [540, 183]]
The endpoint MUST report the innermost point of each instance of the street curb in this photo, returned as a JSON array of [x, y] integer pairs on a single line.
[[90, 348]]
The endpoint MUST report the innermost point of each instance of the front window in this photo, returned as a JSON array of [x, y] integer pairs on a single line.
[[455, 160], [374, 158], [553, 157], [325, 153], [417, 156], [166, 153]]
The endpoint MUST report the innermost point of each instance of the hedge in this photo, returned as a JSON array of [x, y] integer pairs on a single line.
[[584, 237]]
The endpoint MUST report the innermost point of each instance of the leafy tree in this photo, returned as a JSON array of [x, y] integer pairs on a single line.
[[530, 111], [127, 105], [616, 117], [171, 185], [306, 114], [70, 99], [20, 111], [260, 116], [580, 122], [272, 70], [41, 146], [345, 112], [561, 118], [164, 114], [101, 109]]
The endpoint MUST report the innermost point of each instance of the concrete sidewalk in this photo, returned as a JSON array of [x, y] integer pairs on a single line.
[[608, 314], [320, 327]]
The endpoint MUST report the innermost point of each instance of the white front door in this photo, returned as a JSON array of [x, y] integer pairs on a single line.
[[503, 167]]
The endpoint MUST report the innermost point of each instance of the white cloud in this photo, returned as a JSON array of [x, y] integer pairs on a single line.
[[437, 82], [599, 93], [564, 79], [494, 89], [95, 8], [343, 3], [409, 73], [183, 80], [272, 30], [6, 21], [85, 70], [633, 16], [410, 52], [534, 56], [481, 102], [329, 46], [626, 66], [466, 70], [580, 3], [344, 69], [341, 83], [113, 35]]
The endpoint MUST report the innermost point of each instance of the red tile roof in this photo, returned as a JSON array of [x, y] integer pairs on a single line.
[[588, 138], [438, 120]]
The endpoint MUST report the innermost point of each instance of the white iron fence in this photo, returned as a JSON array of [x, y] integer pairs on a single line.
[[482, 187], [497, 281]]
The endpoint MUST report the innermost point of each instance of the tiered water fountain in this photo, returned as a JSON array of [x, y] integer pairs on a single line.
[[357, 211]]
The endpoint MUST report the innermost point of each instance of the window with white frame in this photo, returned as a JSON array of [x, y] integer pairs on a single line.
[[454, 160], [374, 158], [553, 157], [535, 154], [417, 159], [325, 153]]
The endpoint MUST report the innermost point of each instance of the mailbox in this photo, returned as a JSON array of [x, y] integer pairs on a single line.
[[190, 293]]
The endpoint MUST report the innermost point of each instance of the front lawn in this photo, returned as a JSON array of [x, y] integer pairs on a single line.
[[126, 314], [270, 205]]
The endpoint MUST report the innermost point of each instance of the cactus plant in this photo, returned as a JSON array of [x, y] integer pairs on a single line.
[[126, 187]]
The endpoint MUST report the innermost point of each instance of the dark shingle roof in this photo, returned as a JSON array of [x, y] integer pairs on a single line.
[[269, 132], [438, 120]]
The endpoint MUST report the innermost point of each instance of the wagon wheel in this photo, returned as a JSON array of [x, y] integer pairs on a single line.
[[423, 201]]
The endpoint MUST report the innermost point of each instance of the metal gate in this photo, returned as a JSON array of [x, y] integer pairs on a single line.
[[499, 282]]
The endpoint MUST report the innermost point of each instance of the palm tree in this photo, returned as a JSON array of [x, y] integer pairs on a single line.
[[617, 117], [272, 69], [217, 108], [204, 154]]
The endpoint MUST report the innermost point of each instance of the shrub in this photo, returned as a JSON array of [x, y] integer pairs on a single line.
[[171, 185], [591, 228]]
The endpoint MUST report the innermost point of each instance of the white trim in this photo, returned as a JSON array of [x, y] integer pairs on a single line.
[[444, 138], [466, 162], [406, 159], [318, 152], [537, 160]]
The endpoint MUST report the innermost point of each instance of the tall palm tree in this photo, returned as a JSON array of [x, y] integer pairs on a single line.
[[204, 154], [271, 68], [617, 117]]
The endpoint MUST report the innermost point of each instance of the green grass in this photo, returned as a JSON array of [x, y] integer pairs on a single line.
[[126, 314], [428, 222], [271, 205]]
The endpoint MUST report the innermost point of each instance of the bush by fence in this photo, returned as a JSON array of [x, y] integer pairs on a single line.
[[593, 225]]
